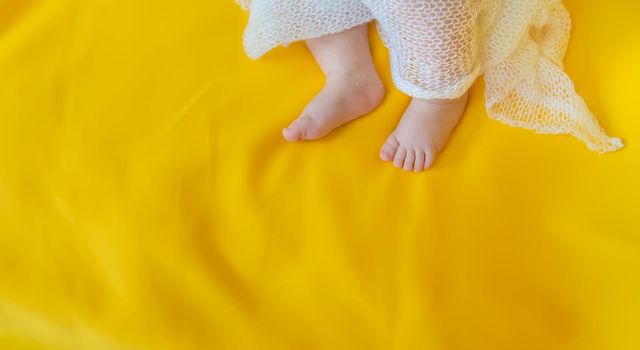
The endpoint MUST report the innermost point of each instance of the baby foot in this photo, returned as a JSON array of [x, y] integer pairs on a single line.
[[344, 97], [422, 132]]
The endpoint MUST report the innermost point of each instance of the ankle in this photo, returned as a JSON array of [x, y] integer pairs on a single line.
[[352, 74]]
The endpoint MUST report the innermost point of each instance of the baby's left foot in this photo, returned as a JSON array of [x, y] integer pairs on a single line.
[[422, 132]]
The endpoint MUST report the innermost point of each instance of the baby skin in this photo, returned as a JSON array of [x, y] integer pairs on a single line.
[[353, 89]]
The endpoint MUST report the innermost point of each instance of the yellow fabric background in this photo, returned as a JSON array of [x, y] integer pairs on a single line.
[[148, 201]]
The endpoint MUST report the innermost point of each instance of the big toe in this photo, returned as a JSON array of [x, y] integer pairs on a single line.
[[298, 130], [388, 151], [291, 133]]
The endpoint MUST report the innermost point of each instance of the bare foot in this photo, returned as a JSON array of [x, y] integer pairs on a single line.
[[344, 97], [422, 132]]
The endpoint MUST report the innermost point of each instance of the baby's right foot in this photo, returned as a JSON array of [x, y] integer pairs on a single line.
[[345, 96]]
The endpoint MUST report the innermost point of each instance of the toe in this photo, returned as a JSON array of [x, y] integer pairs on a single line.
[[409, 159], [298, 129], [290, 134], [388, 151], [398, 160], [429, 157], [419, 163], [293, 132]]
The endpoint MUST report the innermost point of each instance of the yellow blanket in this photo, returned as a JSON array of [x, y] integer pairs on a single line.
[[148, 201]]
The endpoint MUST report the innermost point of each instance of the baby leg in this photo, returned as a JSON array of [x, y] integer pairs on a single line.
[[432, 44], [352, 87]]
